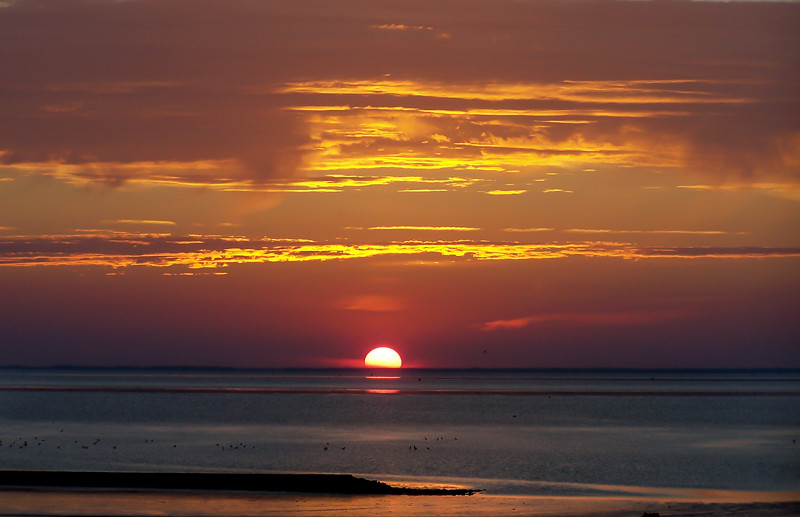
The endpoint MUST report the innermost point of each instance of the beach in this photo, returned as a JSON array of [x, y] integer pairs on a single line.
[[128, 494], [56, 493], [49, 502]]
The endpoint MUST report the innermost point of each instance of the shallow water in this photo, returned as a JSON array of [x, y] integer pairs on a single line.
[[511, 432]]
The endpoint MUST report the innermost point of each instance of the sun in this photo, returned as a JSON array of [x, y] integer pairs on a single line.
[[383, 357]]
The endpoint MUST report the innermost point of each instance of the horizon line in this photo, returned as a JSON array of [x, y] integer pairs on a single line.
[[398, 370]]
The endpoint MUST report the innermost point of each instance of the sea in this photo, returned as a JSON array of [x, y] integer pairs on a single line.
[[512, 432]]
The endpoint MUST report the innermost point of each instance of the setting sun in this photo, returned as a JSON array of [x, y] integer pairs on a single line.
[[383, 357]]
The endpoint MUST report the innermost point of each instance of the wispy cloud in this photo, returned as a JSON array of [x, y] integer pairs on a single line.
[[789, 189], [427, 228], [528, 230], [341, 182], [401, 27], [653, 232], [602, 92], [141, 222], [584, 318], [422, 190], [119, 249], [505, 192]]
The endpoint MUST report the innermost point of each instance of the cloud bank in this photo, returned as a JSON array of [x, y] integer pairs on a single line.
[[194, 252], [244, 93]]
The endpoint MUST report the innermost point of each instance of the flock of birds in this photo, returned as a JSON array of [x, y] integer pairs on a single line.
[[412, 447], [36, 441], [23, 443], [97, 444]]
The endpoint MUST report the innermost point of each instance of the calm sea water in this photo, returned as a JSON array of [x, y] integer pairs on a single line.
[[506, 431]]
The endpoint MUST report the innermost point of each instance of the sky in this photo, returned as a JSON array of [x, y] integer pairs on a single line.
[[475, 183]]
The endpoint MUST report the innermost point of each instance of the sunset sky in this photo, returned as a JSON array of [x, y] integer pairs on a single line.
[[475, 183]]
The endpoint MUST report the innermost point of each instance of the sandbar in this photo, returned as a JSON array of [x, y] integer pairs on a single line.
[[208, 481]]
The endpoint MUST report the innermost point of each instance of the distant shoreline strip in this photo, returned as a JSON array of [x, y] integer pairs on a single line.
[[238, 482], [393, 391]]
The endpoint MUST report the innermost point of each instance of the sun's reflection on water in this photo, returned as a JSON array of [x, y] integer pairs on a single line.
[[381, 378]]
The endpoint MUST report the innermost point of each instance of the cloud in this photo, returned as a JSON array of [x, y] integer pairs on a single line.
[[653, 232], [602, 93], [528, 230], [142, 222], [788, 189], [197, 252], [112, 105], [591, 318], [427, 228], [114, 92], [400, 27], [505, 192], [341, 182]]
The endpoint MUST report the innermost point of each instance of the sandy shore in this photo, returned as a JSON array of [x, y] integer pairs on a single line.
[[45, 502], [60, 493]]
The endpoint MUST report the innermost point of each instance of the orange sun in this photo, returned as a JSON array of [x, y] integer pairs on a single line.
[[383, 357]]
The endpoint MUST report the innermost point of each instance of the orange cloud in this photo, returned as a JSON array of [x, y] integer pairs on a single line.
[[118, 250], [653, 232], [142, 221], [427, 228], [604, 92], [401, 27], [505, 192], [340, 95], [528, 230], [341, 182], [597, 318]]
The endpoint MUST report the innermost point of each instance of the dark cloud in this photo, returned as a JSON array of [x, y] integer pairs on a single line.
[[86, 82]]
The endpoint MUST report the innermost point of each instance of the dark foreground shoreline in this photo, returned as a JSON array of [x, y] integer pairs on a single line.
[[238, 482]]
